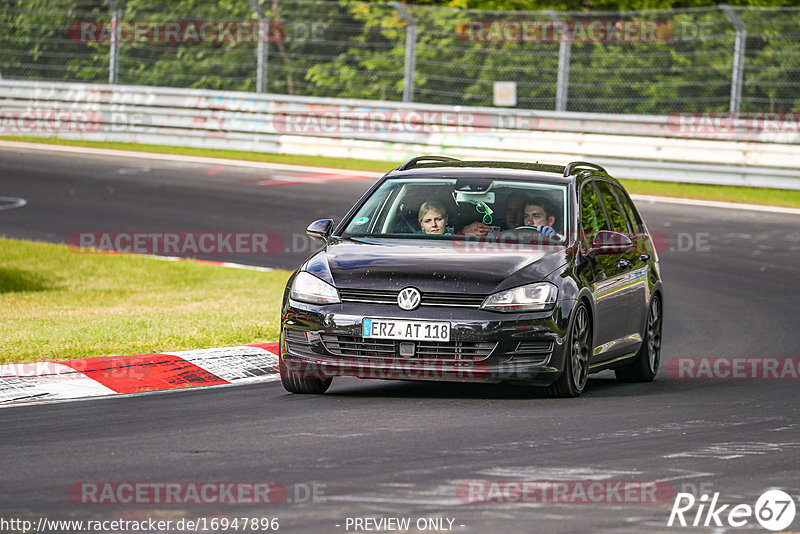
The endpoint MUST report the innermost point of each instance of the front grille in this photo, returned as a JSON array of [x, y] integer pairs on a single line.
[[457, 350], [299, 336], [358, 347], [296, 342], [300, 349], [368, 296], [352, 346], [379, 296], [537, 351], [452, 299]]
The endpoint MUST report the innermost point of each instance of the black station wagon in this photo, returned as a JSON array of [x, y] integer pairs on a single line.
[[478, 271]]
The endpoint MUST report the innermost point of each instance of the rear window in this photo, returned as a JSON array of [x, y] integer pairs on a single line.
[[593, 218], [614, 211]]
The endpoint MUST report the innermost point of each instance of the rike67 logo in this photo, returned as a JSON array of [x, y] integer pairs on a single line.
[[774, 510]]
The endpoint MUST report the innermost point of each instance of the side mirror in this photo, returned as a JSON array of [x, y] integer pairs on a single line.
[[320, 229], [608, 242]]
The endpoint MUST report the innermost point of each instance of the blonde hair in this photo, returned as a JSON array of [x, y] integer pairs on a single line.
[[431, 205]]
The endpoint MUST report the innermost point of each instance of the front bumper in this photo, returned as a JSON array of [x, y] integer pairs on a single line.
[[325, 341]]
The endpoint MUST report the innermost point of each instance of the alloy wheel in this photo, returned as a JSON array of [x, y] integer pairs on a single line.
[[654, 334], [580, 348]]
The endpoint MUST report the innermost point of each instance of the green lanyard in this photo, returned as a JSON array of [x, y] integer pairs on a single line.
[[484, 210]]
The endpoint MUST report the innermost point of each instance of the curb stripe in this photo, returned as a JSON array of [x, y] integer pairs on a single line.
[[110, 375], [235, 364], [19, 384], [144, 372]]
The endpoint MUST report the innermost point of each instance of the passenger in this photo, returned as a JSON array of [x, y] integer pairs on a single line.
[[513, 216], [537, 213], [433, 218], [515, 207]]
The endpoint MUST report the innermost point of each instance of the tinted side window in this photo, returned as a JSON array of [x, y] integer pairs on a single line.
[[613, 209], [592, 217], [630, 211]]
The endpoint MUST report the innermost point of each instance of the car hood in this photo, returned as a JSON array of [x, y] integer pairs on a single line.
[[436, 266]]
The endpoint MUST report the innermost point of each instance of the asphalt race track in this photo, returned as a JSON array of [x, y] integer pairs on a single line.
[[373, 449]]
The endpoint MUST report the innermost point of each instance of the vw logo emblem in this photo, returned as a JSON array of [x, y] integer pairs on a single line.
[[408, 299]]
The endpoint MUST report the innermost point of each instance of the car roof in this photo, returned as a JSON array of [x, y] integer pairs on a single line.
[[504, 170], [466, 170]]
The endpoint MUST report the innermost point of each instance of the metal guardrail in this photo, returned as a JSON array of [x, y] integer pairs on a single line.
[[630, 146], [588, 61]]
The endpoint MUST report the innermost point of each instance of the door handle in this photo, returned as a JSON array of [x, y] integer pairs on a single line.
[[623, 264]]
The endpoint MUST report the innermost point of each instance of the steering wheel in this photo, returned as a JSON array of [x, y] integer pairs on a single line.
[[511, 232], [556, 237]]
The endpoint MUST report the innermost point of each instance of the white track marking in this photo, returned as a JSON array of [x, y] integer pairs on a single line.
[[9, 203], [208, 262], [716, 204], [557, 473], [730, 451], [186, 159]]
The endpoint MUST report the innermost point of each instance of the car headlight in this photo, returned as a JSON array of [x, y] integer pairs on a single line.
[[532, 297], [308, 288]]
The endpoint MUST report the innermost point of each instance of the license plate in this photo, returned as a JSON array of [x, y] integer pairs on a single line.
[[398, 329]]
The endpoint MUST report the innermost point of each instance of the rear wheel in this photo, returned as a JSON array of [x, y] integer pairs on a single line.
[[576, 357], [293, 382], [645, 364]]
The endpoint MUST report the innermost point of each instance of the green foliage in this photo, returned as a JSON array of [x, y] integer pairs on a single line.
[[36, 44], [356, 49]]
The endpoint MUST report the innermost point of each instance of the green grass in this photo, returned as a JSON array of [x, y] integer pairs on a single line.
[[747, 195], [787, 198], [57, 303]]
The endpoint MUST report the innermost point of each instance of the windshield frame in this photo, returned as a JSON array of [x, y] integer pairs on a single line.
[[501, 182]]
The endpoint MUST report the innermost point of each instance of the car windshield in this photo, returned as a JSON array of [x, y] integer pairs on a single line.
[[469, 207]]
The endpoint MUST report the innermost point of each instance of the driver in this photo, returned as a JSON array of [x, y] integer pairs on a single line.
[[537, 214]]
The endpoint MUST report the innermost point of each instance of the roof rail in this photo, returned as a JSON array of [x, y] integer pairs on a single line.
[[413, 161], [575, 165]]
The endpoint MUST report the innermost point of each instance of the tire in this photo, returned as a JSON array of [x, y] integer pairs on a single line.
[[576, 357], [294, 383], [645, 364]]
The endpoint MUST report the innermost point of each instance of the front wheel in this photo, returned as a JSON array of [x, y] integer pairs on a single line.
[[576, 357], [645, 364], [294, 382]]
